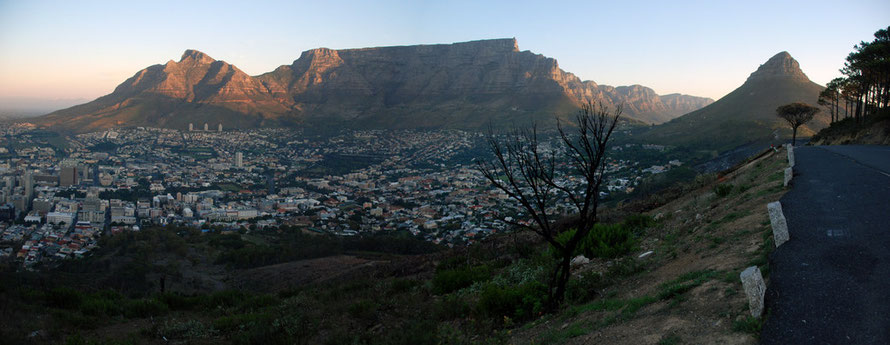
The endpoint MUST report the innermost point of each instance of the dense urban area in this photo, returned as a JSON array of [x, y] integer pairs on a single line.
[[61, 194]]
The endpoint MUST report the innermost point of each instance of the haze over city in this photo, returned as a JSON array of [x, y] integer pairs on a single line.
[[57, 53]]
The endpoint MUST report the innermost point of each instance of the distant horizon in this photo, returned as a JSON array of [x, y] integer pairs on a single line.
[[56, 50]]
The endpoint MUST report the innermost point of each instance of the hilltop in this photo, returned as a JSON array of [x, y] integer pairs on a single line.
[[747, 115], [461, 85]]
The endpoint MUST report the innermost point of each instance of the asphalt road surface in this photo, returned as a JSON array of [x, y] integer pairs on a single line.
[[830, 283]]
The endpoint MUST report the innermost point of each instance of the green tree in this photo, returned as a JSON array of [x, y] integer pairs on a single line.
[[796, 114]]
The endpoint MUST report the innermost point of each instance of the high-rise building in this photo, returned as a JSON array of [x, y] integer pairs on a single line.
[[68, 176], [191, 127], [219, 128], [28, 183], [239, 159], [205, 126]]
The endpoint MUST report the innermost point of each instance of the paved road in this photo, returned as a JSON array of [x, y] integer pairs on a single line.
[[830, 284]]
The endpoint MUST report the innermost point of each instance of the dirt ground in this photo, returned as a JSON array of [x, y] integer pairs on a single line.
[[698, 232]]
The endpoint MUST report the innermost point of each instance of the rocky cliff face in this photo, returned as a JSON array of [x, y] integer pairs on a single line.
[[461, 85]]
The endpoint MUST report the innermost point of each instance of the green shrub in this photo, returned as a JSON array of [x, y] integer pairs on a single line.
[[584, 287], [63, 297], [364, 309], [749, 324], [451, 307], [186, 329], [723, 190], [100, 307], [139, 308], [179, 302], [237, 322], [607, 241], [603, 240], [517, 302], [223, 299], [638, 222], [450, 280]]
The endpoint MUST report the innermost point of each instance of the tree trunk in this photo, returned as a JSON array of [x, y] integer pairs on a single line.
[[561, 280], [793, 135]]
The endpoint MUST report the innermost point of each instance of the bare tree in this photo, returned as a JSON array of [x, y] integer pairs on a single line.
[[796, 114], [527, 173]]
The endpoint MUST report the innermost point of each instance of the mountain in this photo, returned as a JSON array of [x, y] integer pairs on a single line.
[[746, 115], [460, 85]]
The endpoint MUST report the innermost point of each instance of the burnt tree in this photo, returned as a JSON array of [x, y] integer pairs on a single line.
[[527, 173]]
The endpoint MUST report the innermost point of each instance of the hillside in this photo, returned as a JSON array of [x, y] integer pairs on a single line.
[[254, 287], [746, 115], [461, 85], [872, 130]]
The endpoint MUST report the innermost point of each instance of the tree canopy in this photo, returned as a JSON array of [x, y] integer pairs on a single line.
[[796, 114]]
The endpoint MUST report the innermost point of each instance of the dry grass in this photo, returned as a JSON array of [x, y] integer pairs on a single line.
[[688, 290]]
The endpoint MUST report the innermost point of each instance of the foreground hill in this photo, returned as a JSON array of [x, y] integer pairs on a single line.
[[748, 114], [461, 85]]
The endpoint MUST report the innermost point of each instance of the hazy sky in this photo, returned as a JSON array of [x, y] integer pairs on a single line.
[[83, 49]]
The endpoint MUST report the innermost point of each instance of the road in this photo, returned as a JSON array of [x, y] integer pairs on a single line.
[[830, 284]]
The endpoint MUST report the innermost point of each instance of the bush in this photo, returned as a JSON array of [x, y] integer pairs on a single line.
[[451, 307], [447, 281], [144, 308], [638, 222], [584, 287], [608, 241], [723, 190], [63, 297], [517, 302], [364, 309]]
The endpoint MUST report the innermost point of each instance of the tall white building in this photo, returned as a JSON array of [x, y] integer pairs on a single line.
[[239, 159], [219, 128], [205, 126]]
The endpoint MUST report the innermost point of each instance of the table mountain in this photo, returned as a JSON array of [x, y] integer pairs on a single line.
[[747, 114], [461, 85]]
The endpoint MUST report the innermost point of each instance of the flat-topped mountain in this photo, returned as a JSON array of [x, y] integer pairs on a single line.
[[461, 85], [747, 114]]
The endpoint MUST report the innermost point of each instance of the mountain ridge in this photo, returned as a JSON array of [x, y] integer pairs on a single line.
[[459, 85], [747, 114]]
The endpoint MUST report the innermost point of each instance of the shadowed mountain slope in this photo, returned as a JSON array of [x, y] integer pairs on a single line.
[[747, 114]]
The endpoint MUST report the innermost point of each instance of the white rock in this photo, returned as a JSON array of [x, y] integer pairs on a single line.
[[752, 282], [788, 174], [778, 222], [646, 254], [790, 150], [580, 260]]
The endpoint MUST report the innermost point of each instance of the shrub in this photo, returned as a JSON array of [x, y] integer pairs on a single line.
[[63, 297], [517, 302], [638, 222], [100, 307], [451, 307], [584, 287], [607, 241], [187, 329], [723, 190], [364, 309], [450, 280], [144, 308]]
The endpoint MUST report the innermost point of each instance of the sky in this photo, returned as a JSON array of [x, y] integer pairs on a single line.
[[53, 52]]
